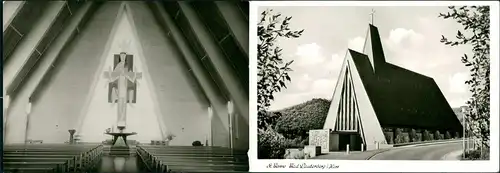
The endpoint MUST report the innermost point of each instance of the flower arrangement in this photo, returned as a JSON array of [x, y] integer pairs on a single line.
[[170, 137]]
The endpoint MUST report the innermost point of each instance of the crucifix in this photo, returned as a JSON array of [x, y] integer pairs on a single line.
[[371, 15], [119, 79]]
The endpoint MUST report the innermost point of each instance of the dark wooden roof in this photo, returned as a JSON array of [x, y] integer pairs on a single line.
[[401, 97]]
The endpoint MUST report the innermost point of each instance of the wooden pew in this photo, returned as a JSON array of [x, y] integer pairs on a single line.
[[192, 159], [50, 157], [33, 170]]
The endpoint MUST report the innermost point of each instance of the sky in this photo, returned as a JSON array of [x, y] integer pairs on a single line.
[[410, 38]]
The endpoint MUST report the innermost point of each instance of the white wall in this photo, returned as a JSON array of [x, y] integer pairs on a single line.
[[65, 98]]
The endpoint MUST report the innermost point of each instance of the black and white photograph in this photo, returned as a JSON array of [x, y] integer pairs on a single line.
[[125, 86], [374, 82]]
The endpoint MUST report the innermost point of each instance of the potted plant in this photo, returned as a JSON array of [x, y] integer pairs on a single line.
[[169, 138]]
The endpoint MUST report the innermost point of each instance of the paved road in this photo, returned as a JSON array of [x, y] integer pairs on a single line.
[[427, 152]]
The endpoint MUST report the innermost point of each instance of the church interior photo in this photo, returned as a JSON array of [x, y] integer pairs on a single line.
[[125, 86]]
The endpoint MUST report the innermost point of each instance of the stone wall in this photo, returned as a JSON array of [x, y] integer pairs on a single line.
[[320, 138]]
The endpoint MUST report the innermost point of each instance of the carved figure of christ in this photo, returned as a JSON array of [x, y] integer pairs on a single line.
[[121, 75]]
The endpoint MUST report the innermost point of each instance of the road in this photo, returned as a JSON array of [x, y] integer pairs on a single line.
[[426, 152]]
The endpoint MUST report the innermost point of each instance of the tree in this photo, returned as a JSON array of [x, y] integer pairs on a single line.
[[447, 135], [476, 32], [437, 135], [426, 136], [413, 135], [272, 69], [399, 136]]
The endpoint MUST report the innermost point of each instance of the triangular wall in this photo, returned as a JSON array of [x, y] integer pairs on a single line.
[[75, 96], [142, 116], [66, 89], [358, 112]]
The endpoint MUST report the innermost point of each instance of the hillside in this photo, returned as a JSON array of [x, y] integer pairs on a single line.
[[299, 119]]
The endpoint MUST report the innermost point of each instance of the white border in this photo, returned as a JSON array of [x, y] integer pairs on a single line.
[[372, 166]]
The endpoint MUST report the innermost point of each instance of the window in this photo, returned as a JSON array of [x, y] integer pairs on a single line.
[[10, 40], [24, 72], [237, 59], [172, 8], [190, 36], [54, 30], [243, 7], [215, 77], [74, 5], [211, 17], [28, 15], [193, 82], [236, 126]]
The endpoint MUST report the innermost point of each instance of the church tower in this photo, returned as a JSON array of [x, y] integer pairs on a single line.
[[373, 48]]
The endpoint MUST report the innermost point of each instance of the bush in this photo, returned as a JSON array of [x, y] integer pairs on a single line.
[[389, 137], [457, 135], [406, 138], [304, 142], [419, 137], [437, 135], [272, 145], [400, 136], [476, 154], [413, 135], [447, 135], [197, 143], [426, 136]]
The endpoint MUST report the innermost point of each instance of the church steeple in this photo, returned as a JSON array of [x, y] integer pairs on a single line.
[[373, 46]]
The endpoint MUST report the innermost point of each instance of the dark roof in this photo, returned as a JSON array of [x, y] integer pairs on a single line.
[[401, 97]]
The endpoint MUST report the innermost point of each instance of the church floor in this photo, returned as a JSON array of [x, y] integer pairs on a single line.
[[118, 164]]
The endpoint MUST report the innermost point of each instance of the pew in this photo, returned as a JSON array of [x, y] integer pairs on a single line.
[[51, 157], [191, 159]]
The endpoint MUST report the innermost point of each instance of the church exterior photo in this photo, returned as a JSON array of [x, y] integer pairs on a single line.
[[373, 98]]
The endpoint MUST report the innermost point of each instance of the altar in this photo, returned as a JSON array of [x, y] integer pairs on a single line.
[[122, 82]]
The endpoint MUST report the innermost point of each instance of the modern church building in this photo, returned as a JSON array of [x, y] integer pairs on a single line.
[[373, 97], [193, 58]]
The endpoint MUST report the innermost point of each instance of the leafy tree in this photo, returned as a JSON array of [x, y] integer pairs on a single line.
[[426, 136], [399, 136], [437, 135], [272, 118], [476, 32], [413, 135], [447, 135], [271, 144], [272, 69]]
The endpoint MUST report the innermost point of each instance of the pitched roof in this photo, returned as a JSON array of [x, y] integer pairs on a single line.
[[401, 97]]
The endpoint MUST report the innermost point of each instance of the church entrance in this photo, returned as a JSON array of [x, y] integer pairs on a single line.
[[353, 139]]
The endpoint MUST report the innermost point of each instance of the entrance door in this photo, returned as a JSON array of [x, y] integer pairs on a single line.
[[353, 139], [355, 142], [344, 139]]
